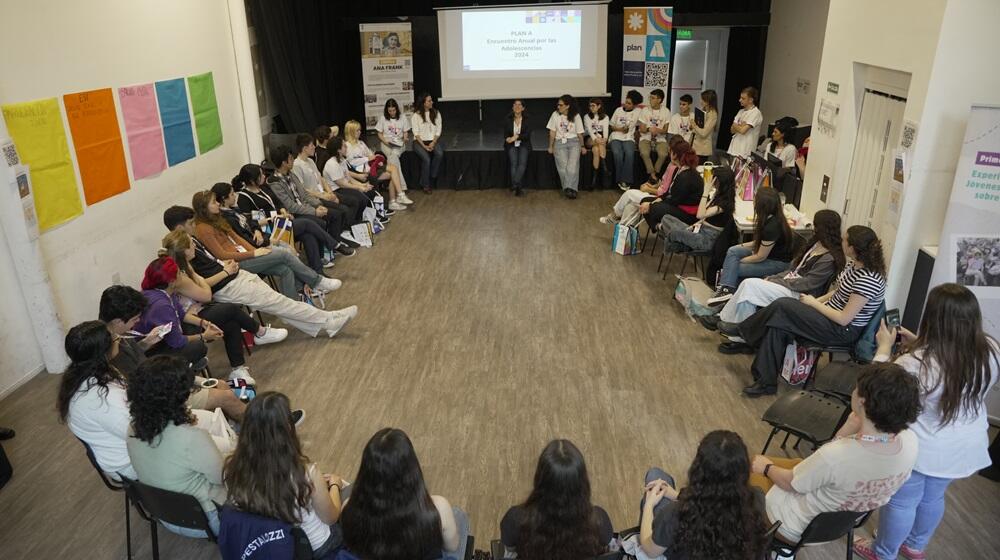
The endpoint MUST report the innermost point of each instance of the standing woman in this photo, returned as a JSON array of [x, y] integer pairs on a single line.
[[956, 364], [391, 516], [703, 134], [517, 144], [426, 121], [393, 131], [566, 143], [597, 126], [557, 521], [287, 486]]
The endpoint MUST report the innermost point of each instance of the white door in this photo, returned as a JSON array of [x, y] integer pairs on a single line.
[[690, 67], [871, 165]]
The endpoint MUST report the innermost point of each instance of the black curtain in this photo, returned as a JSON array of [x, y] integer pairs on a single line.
[[744, 67]]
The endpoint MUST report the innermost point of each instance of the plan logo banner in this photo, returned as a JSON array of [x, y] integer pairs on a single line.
[[646, 49]]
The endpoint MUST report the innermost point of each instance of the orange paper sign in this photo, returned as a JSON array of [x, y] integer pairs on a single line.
[[98, 143]]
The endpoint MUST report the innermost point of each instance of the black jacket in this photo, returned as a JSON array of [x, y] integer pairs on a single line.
[[508, 131]]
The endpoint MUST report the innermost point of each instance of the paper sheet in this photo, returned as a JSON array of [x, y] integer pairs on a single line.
[[206, 111], [171, 95], [97, 139], [143, 130]]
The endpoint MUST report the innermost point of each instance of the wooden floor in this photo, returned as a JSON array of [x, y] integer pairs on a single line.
[[488, 325]]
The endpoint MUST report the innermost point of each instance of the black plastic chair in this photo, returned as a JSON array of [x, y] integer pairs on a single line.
[[158, 505], [497, 549], [807, 415], [114, 486], [837, 380], [825, 527]]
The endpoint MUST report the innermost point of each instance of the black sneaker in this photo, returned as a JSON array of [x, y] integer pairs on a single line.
[[623, 185], [345, 250], [571, 194], [728, 329], [722, 295], [388, 212], [710, 322], [736, 348], [298, 416], [758, 389]]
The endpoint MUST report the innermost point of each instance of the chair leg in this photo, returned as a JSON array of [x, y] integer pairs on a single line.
[[850, 544], [785, 441], [128, 529], [152, 536], [660, 264], [768, 442], [684, 265], [653, 250]]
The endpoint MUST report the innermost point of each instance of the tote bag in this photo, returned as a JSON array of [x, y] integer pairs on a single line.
[[363, 234], [625, 240], [798, 363]]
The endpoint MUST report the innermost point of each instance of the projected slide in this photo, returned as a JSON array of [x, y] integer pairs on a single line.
[[521, 40]]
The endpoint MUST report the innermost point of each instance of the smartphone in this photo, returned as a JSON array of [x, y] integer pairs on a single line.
[[892, 318]]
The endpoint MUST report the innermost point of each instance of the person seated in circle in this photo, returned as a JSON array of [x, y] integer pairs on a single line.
[[390, 513], [715, 212], [360, 159], [717, 515], [557, 521], [678, 194], [858, 471]]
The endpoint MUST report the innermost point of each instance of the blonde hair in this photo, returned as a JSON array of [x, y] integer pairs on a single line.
[[175, 244], [352, 131]]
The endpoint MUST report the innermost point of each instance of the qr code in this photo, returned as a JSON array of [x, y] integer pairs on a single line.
[[10, 154], [909, 135], [657, 74]]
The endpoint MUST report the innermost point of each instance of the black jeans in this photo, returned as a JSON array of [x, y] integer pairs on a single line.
[[334, 221], [232, 319], [191, 353], [518, 158], [309, 230], [660, 209], [355, 201], [774, 327]]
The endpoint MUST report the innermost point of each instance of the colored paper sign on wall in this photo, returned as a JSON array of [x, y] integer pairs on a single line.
[[206, 111], [38, 132], [143, 130], [171, 96], [97, 140]]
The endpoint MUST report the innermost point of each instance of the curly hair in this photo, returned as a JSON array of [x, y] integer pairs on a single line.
[[826, 230], [891, 394], [157, 395], [867, 247], [88, 345], [559, 523], [716, 513]]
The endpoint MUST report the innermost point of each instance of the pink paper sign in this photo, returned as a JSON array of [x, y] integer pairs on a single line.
[[142, 127]]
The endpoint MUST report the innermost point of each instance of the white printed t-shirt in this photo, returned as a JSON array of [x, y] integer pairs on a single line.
[[659, 118], [596, 127], [621, 118], [393, 129], [682, 125], [743, 144], [564, 130], [843, 475]]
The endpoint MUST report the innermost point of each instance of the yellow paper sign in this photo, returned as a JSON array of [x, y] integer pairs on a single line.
[[38, 132]]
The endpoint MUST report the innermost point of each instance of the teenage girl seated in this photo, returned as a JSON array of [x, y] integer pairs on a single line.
[[715, 211], [359, 159]]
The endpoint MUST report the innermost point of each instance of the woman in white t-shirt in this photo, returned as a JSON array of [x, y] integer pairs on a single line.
[[861, 469], [956, 364], [566, 143], [426, 123], [92, 399], [622, 140], [393, 132], [359, 160], [745, 124], [287, 487], [597, 126], [777, 146]]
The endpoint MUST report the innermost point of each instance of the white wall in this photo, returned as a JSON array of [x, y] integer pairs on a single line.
[[900, 35], [19, 354], [794, 51], [53, 48]]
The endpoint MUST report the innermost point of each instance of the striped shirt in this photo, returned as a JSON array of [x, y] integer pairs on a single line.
[[867, 284]]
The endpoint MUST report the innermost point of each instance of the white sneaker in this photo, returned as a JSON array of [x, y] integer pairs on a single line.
[[346, 234], [328, 263], [339, 319], [403, 198], [396, 206], [609, 219], [243, 373], [270, 336], [328, 285], [298, 416]]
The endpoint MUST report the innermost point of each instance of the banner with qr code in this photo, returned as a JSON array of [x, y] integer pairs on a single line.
[[386, 67], [646, 50]]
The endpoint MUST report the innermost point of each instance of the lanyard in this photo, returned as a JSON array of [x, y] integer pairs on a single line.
[[173, 305]]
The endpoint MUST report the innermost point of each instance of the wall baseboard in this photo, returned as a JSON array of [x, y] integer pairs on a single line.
[[24, 379]]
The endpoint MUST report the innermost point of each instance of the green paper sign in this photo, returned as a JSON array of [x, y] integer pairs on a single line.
[[206, 111]]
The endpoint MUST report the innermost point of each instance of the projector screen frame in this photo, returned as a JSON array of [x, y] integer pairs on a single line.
[[501, 96]]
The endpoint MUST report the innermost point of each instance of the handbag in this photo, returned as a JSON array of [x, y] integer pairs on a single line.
[[376, 166], [798, 364], [363, 234], [625, 240], [215, 423], [282, 233], [693, 295], [379, 204]]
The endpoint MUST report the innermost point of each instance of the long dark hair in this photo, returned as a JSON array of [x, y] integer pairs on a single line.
[[221, 192], [266, 474], [767, 204], [559, 521], [600, 108], [711, 99], [334, 146], [826, 232], [392, 103], [951, 337], [716, 513], [571, 110], [390, 515], [867, 247], [249, 175], [418, 107], [725, 190], [87, 345], [157, 395]]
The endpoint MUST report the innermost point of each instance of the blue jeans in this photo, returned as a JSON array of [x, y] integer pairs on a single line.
[[679, 238], [733, 270], [462, 523], [518, 158], [430, 163], [291, 272], [623, 154], [567, 156], [912, 515]]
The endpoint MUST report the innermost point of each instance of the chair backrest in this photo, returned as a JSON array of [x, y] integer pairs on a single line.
[[865, 347], [175, 508], [107, 480], [830, 526], [838, 378], [269, 539]]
